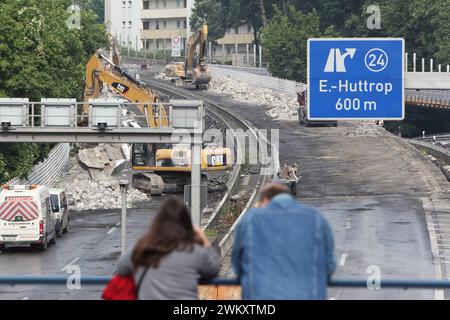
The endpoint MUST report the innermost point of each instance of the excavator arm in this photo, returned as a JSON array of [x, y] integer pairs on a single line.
[[100, 71], [197, 71]]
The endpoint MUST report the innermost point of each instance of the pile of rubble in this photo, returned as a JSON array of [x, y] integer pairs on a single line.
[[88, 191], [281, 106], [104, 194], [367, 129]]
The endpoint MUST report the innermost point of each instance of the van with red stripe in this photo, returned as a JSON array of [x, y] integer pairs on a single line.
[[26, 217]]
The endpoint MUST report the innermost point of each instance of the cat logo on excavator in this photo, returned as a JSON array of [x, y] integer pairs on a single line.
[[120, 87]]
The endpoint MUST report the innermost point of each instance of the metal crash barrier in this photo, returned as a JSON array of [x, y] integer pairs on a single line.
[[222, 288]]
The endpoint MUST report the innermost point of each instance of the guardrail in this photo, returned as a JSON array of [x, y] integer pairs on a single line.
[[259, 80], [260, 71], [103, 280], [46, 172]]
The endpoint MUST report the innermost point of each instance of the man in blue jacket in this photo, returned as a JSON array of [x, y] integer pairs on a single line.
[[283, 250]]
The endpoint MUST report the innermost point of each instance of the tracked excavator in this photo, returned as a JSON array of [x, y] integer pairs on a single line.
[[155, 165], [194, 70]]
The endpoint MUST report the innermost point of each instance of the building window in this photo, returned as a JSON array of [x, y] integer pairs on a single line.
[[130, 24], [178, 3], [185, 3], [164, 4], [249, 29], [124, 24], [164, 24], [236, 30], [123, 4], [228, 31], [157, 25], [228, 50], [184, 24], [146, 25], [157, 44], [178, 24], [146, 5], [157, 4], [130, 3]]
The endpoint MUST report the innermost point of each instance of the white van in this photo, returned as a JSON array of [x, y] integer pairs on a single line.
[[25, 217], [58, 201]]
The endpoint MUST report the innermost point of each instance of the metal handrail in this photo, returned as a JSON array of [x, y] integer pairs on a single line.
[[103, 280]]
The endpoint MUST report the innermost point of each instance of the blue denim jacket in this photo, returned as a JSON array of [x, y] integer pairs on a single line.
[[283, 251]]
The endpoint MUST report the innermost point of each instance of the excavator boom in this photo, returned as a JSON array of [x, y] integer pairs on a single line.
[[101, 71]]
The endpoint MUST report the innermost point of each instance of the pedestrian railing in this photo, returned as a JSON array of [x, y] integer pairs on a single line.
[[103, 280]]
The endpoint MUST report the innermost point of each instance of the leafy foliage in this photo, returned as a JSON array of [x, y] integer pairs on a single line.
[[425, 25], [283, 39], [41, 57]]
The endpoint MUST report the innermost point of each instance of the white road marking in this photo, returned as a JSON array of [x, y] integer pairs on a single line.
[[111, 230], [25, 298], [70, 263], [343, 259], [428, 206], [348, 224], [338, 294]]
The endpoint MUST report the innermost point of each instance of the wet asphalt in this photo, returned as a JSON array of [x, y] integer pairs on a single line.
[[372, 190], [93, 244]]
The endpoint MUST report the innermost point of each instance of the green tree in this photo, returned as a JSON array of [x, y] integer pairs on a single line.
[[285, 39], [40, 56], [424, 24], [219, 15]]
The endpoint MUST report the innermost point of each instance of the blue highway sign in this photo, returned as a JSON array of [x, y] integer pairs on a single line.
[[356, 79]]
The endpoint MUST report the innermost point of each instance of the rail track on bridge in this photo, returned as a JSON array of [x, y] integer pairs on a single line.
[[244, 181]]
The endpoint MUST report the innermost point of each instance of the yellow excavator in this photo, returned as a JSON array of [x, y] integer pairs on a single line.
[[195, 68], [154, 165]]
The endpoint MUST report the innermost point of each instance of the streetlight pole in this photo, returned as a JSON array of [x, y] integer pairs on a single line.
[[124, 192]]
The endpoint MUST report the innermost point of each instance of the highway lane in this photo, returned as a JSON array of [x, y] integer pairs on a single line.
[[373, 190], [93, 244]]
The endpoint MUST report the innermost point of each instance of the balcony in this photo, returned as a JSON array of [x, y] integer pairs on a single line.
[[163, 33], [236, 38], [164, 13]]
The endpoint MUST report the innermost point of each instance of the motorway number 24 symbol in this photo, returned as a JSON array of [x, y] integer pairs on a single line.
[[376, 60]]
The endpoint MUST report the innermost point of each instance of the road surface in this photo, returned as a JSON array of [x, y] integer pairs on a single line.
[[93, 244], [375, 191]]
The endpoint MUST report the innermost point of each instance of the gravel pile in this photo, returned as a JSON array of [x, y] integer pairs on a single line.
[[281, 106]]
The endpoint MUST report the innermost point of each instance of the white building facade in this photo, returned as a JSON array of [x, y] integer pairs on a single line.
[[123, 21], [151, 24]]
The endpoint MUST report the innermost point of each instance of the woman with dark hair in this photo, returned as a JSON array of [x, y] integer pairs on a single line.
[[171, 257]]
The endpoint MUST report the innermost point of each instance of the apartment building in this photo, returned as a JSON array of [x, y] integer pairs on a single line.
[[151, 24], [123, 21], [235, 47], [163, 19]]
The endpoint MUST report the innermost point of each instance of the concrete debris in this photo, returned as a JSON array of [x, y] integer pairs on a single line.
[[162, 76], [92, 195], [366, 129], [289, 172], [104, 159], [86, 194], [281, 106]]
